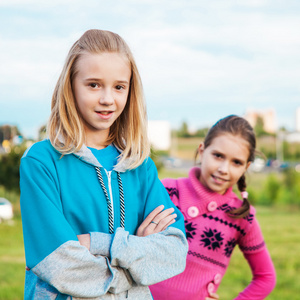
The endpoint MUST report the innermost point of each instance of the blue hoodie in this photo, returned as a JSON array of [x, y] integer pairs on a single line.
[[62, 197]]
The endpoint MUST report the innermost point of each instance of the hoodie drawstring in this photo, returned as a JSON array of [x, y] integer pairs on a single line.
[[108, 201]]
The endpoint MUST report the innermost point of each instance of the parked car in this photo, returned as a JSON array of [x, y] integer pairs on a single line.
[[6, 209], [171, 162], [258, 165]]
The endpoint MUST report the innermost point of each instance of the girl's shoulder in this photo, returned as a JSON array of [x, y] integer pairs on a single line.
[[148, 164], [41, 150], [169, 182]]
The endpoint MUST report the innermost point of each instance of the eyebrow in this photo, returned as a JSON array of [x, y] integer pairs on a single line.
[[99, 79], [234, 158]]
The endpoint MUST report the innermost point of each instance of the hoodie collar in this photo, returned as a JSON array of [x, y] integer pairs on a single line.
[[86, 155]]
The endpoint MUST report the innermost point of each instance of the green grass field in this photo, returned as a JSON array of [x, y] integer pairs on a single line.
[[280, 226], [12, 260], [281, 230]]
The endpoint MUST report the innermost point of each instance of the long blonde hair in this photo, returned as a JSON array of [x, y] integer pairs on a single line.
[[128, 132]]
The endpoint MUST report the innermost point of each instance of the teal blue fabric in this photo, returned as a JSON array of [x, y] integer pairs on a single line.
[[107, 157], [61, 197]]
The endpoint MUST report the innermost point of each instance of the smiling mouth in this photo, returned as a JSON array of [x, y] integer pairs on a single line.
[[219, 179], [104, 112]]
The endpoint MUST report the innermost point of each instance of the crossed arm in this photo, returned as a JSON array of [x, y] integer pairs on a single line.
[[158, 220]]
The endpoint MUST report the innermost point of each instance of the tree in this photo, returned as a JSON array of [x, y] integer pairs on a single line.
[[183, 131], [8, 132], [259, 127], [9, 168], [201, 132]]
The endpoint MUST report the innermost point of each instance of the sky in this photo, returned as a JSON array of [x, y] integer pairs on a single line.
[[199, 60]]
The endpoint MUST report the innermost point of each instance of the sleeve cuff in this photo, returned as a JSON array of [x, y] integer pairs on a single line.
[[100, 243]]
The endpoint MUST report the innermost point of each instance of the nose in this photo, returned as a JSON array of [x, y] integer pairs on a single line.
[[106, 98], [223, 167]]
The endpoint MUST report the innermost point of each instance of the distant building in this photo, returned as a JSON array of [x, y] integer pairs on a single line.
[[298, 119], [159, 133], [268, 117]]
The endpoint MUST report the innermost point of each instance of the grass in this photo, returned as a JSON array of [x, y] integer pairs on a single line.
[[280, 226], [12, 260]]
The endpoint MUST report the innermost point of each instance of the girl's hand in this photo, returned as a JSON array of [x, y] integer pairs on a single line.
[[212, 296], [84, 240], [157, 221]]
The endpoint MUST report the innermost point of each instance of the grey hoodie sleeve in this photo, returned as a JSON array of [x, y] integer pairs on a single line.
[[95, 278], [149, 259]]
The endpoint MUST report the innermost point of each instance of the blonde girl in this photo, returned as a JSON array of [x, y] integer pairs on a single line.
[[86, 190]]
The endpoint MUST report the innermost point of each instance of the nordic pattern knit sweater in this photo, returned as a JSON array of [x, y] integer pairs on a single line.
[[212, 236]]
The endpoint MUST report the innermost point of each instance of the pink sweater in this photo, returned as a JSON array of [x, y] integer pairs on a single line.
[[212, 236]]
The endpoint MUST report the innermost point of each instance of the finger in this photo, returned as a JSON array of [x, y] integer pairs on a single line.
[[171, 222], [167, 220], [164, 223], [154, 227], [214, 296], [163, 214], [151, 216]]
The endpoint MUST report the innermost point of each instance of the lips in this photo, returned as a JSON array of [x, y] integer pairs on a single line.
[[103, 114], [219, 179]]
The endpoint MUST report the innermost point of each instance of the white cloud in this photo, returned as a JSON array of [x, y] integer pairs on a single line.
[[246, 52], [31, 66]]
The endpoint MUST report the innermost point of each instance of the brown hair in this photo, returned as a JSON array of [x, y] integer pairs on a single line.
[[236, 126], [129, 131]]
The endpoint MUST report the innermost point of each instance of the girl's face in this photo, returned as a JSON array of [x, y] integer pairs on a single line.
[[101, 86], [223, 162]]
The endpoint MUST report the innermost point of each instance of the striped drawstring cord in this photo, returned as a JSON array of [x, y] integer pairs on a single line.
[[109, 206]]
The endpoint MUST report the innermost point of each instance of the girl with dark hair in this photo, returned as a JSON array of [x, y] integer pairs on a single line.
[[216, 220]]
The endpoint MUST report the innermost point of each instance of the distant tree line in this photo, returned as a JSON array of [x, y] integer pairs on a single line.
[[10, 158], [9, 168], [8, 132], [185, 132], [10, 161], [266, 141]]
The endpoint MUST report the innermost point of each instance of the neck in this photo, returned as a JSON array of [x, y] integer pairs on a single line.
[[97, 141]]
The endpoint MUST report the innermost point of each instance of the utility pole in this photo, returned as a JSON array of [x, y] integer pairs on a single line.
[[279, 145]]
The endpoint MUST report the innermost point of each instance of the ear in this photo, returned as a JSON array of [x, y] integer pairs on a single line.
[[248, 165], [200, 150]]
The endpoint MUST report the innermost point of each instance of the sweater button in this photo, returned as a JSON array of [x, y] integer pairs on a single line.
[[193, 211], [217, 278], [212, 206], [210, 288]]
